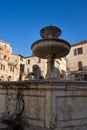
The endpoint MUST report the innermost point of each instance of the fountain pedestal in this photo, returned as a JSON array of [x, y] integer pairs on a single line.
[[50, 69]]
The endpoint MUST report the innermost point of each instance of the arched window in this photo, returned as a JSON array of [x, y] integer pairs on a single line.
[[9, 78], [80, 67]]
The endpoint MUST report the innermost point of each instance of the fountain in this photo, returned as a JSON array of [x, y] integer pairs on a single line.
[[50, 48], [44, 104]]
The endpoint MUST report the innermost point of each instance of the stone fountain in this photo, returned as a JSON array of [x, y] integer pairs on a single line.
[[44, 104], [50, 48]]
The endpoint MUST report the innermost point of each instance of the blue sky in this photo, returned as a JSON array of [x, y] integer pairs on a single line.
[[21, 21]]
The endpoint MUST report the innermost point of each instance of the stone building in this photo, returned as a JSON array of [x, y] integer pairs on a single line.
[[5, 68], [15, 67], [76, 61]]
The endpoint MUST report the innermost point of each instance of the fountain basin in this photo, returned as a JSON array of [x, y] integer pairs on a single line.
[[55, 48]]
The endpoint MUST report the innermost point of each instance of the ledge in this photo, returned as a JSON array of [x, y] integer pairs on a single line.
[[53, 85]]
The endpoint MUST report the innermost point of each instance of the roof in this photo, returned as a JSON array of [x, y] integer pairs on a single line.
[[23, 56], [80, 43]]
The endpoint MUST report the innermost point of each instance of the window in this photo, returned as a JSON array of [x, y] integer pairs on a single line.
[[78, 51], [80, 65], [28, 61], [22, 66], [21, 59], [5, 56], [2, 67], [75, 52], [9, 78], [11, 69], [39, 60]]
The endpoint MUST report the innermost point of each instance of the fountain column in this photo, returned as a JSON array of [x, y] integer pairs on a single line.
[[50, 69]]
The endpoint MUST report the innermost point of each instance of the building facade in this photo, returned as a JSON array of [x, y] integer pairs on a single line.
[[76, 61]]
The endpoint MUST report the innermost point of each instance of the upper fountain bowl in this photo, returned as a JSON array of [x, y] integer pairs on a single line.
[[50, 46], [56, 48], [50, 32]]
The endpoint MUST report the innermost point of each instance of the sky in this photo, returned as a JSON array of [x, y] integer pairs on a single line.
[[22, 20]]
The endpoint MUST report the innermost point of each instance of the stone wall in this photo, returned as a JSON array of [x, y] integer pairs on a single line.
[[59, 105]]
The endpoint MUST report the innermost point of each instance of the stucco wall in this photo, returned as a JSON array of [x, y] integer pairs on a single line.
[[72, 60]]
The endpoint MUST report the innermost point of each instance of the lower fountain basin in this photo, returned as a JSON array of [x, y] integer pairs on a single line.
[[56, 48]]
